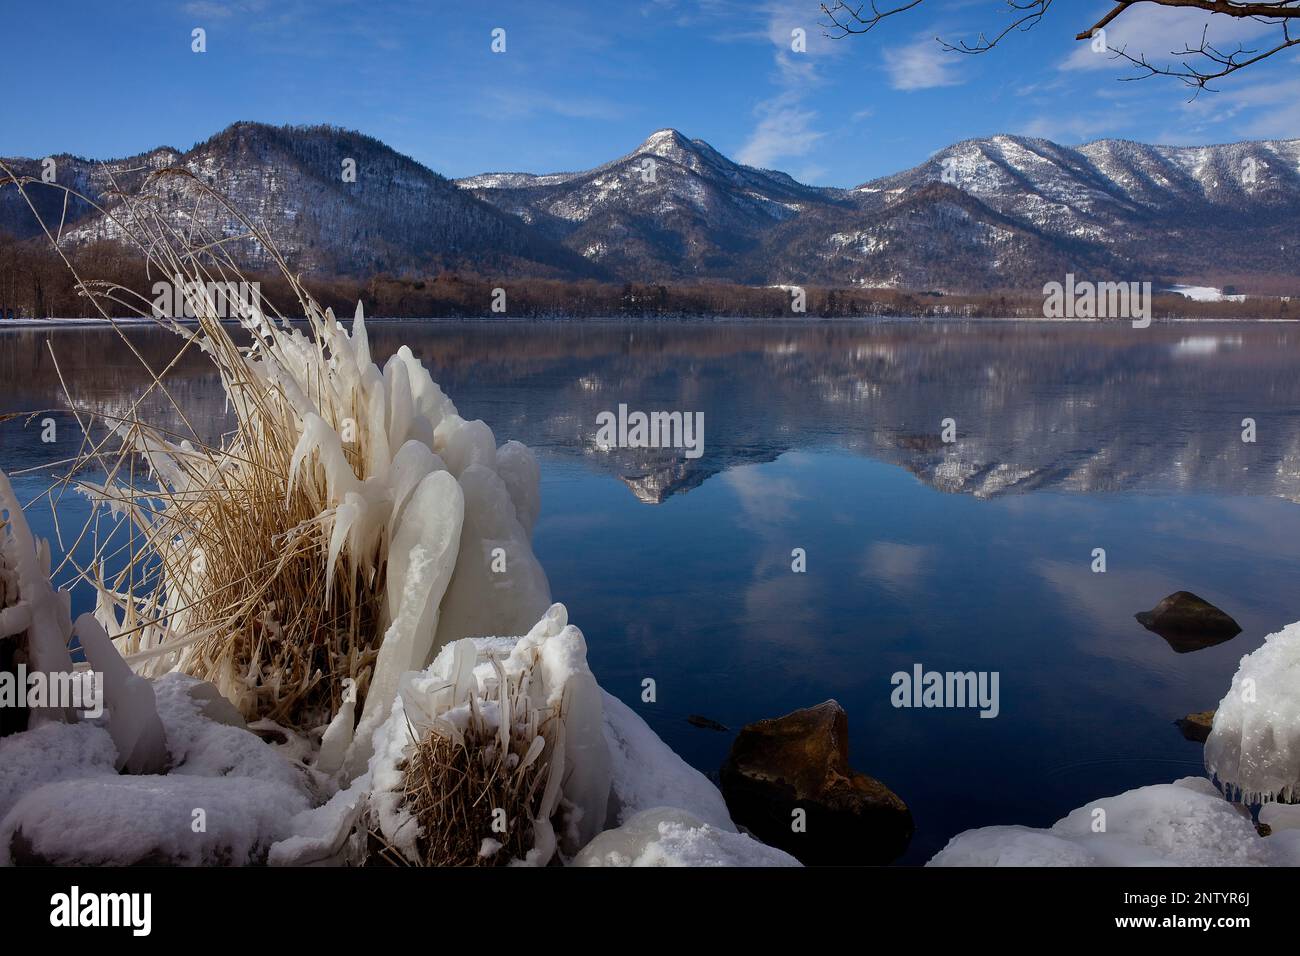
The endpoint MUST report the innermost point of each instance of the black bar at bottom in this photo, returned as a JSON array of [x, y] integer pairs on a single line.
[[378, 907]]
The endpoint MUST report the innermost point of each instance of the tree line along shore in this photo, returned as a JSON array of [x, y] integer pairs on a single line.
[[35, 283]]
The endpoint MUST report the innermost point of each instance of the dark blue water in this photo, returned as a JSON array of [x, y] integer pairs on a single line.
[[968, 556]]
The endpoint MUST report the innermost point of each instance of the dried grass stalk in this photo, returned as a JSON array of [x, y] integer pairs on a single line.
[[460, 790], [221, 556]]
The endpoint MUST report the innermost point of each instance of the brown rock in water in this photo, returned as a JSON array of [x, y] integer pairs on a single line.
[[1188, 623], [1196, 727], [801, 761]]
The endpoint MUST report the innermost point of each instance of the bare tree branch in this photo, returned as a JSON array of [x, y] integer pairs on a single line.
[[1198, 65], [848, 19], [1224, 63], [1026, 13]]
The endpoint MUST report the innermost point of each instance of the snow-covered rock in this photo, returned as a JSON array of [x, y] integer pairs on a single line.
[[226, 799], [1185, 823], [130, 820], [1280, 816], [50, 753], [1254, 746]]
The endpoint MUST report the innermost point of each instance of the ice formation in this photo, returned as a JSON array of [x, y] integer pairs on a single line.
[[617, 767], [1185, 823], [1254, 746], [39, 616], [133, 721], [409, 502], [538, 684], [648, 774], [31, 610]]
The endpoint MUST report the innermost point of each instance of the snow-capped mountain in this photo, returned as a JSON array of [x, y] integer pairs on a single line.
[[1158, 210], [333, 201], [1006, 212], [1003, 212], [85, 177], [673, 208]]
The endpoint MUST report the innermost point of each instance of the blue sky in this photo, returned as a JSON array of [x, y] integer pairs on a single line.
[[583, 82]]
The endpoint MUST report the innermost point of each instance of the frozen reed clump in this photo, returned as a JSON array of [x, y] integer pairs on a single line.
[[343, 561], [494, 754], [348, 525], [474, 776]]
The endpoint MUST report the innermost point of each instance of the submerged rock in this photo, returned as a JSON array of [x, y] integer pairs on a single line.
[[800, 762], [1188, 622], [1196, 727], [706, 723]]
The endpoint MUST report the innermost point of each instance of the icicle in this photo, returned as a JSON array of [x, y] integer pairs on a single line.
[[133, 713], [360, 339], [337, 738], [48, 625], [421, 559]]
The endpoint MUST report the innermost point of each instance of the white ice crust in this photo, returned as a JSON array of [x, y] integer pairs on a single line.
[[1184, 823], [1254, 746]]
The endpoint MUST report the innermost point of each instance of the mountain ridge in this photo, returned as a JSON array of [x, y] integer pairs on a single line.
[[983, 214]]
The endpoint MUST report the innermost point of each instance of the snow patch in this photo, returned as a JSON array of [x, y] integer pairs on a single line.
[[1185, 823], [665, 836]]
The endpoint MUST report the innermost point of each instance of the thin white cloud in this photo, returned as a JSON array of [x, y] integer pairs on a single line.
[[1075, 128], [786, 123], [785, 130], [1258, 109], [1261, 110], [208, 9], [922, 65], [898, 566]]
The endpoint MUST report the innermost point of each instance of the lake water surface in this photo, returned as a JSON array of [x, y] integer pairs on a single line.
[[969, 556]]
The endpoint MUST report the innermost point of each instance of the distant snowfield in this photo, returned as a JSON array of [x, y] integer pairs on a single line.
[[1205, 293]]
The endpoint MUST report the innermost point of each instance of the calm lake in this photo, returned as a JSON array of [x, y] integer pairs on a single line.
[[974, 555]]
